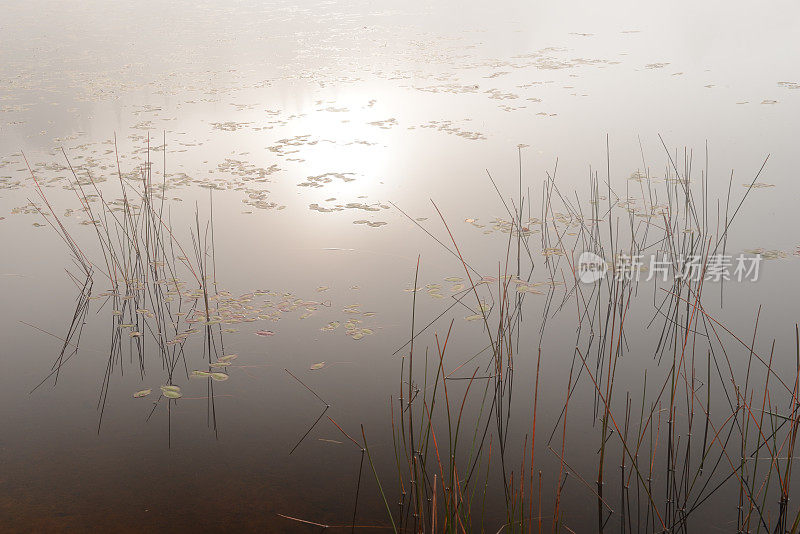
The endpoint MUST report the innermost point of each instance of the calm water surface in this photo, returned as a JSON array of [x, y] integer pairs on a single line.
[[301, 123]]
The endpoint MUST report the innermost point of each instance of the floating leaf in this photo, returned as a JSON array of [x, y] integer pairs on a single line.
[[219, 377], [200, 374], [135, 334], [171, 392], [219, 364], [524, 288], [767, 254], [228, 358], [553, 251], [265, 333], [473, 317], [316, 366], [142, 393]]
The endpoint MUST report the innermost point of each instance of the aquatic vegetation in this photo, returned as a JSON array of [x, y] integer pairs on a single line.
[[171, 392], [322, 179], [333, 325], [373, 224], [767, 254], [449, 458], [449, 128]]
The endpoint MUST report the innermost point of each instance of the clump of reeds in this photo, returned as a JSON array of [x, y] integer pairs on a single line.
[[137, 256], [676, 458]]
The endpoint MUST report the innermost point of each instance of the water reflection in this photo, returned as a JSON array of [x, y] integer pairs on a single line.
[[267, 196]]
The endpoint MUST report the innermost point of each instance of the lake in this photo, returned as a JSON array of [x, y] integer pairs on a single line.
[[223, 224]]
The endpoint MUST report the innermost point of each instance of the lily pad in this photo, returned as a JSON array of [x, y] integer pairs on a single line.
[[171, 392], [142, 393]]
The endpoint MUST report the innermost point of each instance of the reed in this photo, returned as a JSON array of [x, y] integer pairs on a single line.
[[678, 455], [137, 254], [461, 461]]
